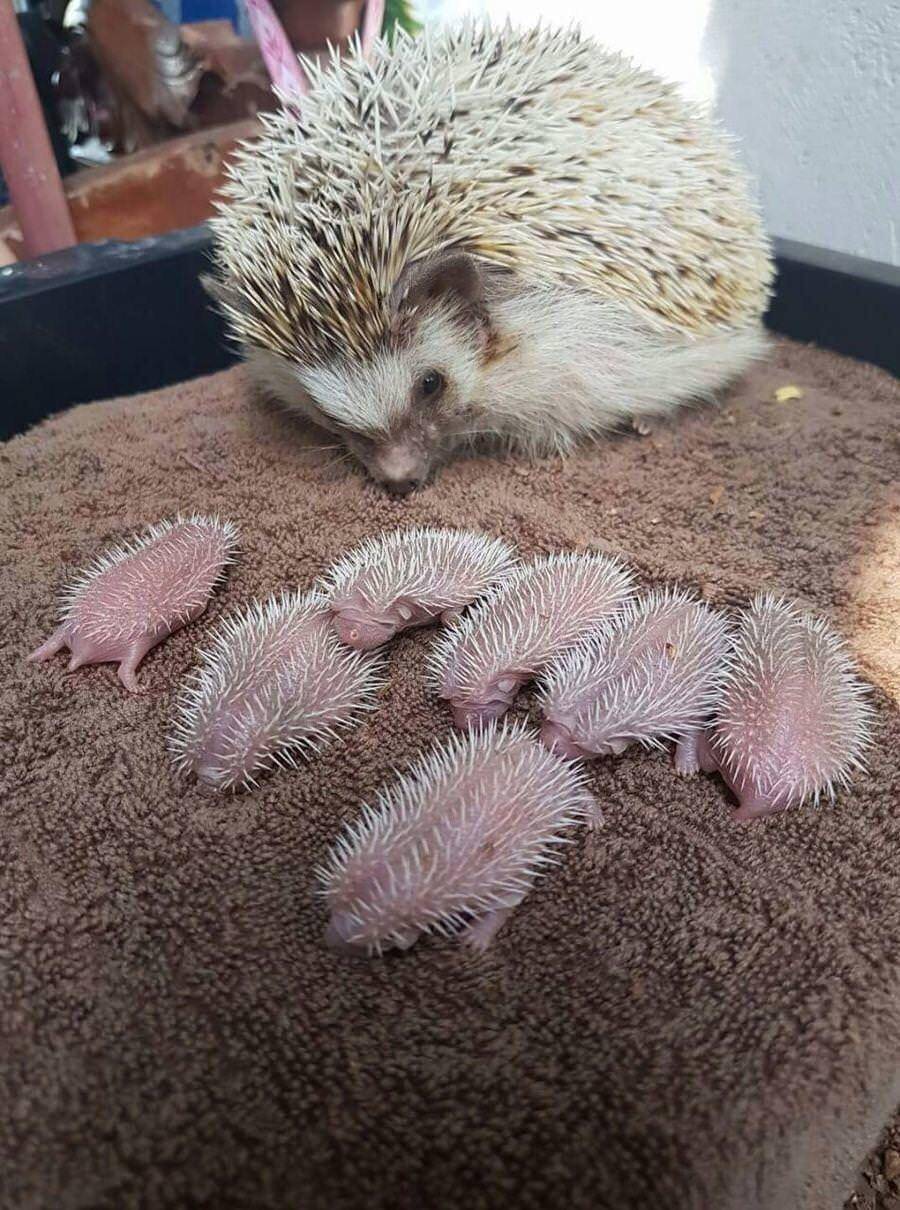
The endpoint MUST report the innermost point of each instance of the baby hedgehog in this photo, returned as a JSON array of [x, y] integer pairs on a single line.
[[408, 578], [275, 684], [487, 232], [138, 593], [482, 660], [793, 721], [654, 674], [455, 844]]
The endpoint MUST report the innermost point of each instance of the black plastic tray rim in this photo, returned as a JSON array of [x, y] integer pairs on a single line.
[[115, 318]]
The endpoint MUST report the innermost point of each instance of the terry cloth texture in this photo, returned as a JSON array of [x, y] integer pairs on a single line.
[[686, 1013]]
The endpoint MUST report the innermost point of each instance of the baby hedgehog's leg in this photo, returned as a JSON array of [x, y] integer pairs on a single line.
[[52, 647], [481, 932], [133, 656], [687, 754]]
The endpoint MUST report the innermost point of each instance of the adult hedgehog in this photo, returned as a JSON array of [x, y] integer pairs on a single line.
[[488, 232]]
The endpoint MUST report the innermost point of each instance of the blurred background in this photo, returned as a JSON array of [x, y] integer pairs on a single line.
[[145, 99]]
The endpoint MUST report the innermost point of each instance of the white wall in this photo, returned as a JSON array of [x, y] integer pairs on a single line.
[[810, 87], [813, 89]]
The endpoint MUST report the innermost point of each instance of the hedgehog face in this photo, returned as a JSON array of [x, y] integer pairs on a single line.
[[418, 397], [402, 410], [344, 934]]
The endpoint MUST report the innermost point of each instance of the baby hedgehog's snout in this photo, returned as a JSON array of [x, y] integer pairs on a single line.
[[365, 634], [557, 736]]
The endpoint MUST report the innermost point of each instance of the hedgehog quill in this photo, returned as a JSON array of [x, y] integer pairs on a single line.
[[479, 233]]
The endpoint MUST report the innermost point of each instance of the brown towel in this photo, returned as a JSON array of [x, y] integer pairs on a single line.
[[686, 1013]]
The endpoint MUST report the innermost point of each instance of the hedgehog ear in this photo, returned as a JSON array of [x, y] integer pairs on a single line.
[[445, 275]]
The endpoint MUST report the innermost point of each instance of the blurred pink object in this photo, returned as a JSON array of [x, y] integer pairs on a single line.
[[281, 59], [373, 19]]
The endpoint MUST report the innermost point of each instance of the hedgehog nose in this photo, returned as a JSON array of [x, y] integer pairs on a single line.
[[400, 466], [401, 487]]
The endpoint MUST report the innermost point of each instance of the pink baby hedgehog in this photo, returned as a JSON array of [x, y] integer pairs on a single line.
[[455, 844], [136, 594], [793, 722], [408, 578], [275, 683], [518, 627], [655, 673]]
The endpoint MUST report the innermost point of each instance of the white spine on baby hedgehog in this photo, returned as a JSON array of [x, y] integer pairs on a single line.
[[488, 231]]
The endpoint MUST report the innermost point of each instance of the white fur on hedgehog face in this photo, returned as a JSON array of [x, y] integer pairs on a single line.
[[400, 413]]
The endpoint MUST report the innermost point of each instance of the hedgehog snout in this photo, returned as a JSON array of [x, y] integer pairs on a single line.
[[400, 466], [362, 633], [339, 935], [401, 487], [208, 767], [558, 738], [342, 934]]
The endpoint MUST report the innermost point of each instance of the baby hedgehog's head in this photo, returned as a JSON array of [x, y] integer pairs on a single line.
[[406, 395]]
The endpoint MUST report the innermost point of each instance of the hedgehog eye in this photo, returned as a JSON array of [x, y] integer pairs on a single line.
[[431, 383]]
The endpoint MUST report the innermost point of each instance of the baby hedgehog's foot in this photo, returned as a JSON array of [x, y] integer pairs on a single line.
[[755, 804], [481, 932], [687, 754], [52, 647]]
